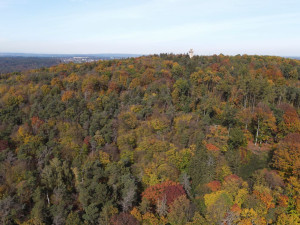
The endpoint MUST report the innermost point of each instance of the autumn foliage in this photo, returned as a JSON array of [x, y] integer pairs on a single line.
[[214, 185], [171, 190], [159, 139]]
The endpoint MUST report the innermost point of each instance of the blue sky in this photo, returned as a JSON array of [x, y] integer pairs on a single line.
[[267, 27]]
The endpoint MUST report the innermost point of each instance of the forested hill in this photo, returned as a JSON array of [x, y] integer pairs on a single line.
[[152, 140]]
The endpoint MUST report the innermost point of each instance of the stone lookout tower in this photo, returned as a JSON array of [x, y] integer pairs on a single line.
[[191, 53]]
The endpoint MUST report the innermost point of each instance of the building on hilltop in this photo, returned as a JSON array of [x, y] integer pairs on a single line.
[[191, 53]]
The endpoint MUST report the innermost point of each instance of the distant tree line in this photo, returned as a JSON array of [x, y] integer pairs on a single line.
[[18, 64]]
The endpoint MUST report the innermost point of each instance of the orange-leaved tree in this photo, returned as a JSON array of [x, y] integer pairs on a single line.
[[168, 189]]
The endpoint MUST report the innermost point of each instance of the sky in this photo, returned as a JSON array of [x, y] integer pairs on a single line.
[[230, 27]]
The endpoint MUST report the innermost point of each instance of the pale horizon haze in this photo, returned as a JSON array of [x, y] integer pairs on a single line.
[[230, 27]]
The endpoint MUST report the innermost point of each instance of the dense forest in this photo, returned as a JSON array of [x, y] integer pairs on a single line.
[[18, 64], [161, 139]]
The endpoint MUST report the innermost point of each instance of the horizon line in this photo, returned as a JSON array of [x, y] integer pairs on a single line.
[[136, 54]]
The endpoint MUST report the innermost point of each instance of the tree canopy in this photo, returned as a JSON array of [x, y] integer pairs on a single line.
[[161, 139]]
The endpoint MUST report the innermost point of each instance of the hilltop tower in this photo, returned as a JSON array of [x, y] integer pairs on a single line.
[[191, 53]]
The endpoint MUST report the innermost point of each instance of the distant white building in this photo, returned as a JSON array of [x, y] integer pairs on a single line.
[[191, 53]]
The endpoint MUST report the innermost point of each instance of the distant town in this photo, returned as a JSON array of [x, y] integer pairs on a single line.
[[84, 59], [79, 59]]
